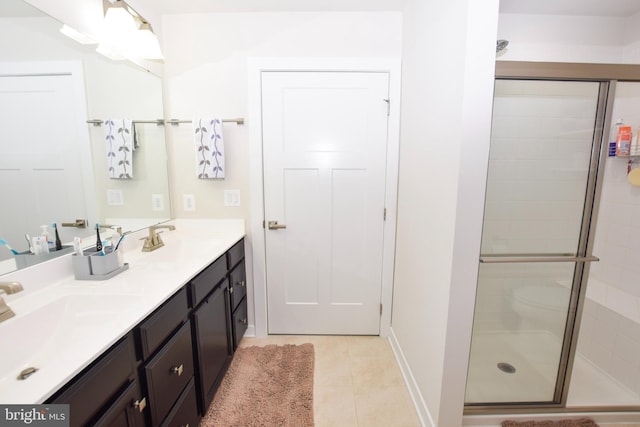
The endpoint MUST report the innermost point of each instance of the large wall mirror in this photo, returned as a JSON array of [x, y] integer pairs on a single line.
[[54, 166]]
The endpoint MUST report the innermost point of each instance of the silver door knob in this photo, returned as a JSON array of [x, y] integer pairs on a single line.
[[273, 225]]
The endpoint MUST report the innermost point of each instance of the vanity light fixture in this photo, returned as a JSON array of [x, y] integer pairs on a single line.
[[127, 33], [118, 21], [76, 35], [147, 43], [110, 52]]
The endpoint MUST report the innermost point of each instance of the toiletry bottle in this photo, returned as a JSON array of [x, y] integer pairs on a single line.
[[58, 241], [47, 238], [623, 139], [613, 135], [98, 240]]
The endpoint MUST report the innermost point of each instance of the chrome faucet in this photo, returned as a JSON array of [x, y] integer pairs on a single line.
[[116, 228], [10, 287], [153, 241]]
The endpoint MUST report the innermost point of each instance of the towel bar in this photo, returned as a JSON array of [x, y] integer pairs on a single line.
[[162, 122]]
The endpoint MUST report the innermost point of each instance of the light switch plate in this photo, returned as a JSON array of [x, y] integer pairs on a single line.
[[189, 202], [115, 198], [232, 197], [157, 202]]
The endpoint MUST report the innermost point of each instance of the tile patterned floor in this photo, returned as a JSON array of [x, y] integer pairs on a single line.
[[357, 381]]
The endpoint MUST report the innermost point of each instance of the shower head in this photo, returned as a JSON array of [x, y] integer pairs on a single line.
[[501, 45]]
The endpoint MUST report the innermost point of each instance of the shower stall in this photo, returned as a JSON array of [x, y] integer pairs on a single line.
[[547, 334]]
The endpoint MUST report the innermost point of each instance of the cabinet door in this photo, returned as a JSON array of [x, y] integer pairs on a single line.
[[213, 348]]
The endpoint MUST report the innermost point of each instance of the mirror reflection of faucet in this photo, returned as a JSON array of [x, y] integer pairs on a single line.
[[8, 288], [153, 240], [5, 311]]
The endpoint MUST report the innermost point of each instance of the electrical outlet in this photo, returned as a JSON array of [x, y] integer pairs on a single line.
[[157, 202], [232, 197], [189, 202], [115, 198]]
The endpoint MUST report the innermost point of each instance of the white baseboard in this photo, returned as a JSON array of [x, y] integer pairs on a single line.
[[412, 386], [250, 332]]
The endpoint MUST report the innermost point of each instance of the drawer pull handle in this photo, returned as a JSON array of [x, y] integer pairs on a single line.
[[241, 283], [243, 321], [231, 289], [177, 370], [140, 404]]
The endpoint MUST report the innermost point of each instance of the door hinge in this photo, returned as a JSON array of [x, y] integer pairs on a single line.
[[388, 101], [384, 215], [263, 224], [380, 309]]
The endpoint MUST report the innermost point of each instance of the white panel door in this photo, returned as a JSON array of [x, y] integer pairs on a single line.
[[324, 151], [40, 165]]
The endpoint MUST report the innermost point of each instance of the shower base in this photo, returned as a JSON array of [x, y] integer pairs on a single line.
[[534, 355]]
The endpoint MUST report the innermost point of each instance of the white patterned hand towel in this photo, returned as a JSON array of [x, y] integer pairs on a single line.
[[119, 136], [209, 143]]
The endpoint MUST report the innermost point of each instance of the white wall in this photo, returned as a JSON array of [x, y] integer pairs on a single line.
[[610, 329], [448, 65], [206, 75]]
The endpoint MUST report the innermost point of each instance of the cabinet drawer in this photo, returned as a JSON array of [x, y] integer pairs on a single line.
[[204, 282], [157, 328], [235, 254], [168, 373], [127, 411], [92, 390], [239, 322], [185, 412], [237, 285]]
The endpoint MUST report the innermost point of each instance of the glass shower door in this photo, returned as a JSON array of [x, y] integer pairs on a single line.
[[534, 239]]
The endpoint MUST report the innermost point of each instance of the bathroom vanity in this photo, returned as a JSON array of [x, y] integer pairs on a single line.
[[161, 334]]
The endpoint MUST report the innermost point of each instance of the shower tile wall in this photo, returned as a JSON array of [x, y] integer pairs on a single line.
[[612, 343], [531, 205], [610, 332]]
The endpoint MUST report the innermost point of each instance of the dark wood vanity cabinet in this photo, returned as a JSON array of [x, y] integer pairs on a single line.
[[107, 393], [166, 370], [213, 350], [238, 292]]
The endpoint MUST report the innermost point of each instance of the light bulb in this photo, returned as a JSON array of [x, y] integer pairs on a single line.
[[146, 43]]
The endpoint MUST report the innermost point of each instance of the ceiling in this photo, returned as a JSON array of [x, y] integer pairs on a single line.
[[619, 8], [551, 7], [207, 6]]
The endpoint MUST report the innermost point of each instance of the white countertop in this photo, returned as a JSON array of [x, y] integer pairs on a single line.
[[62, 324]]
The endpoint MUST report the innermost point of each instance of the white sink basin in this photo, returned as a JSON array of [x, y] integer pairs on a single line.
[[52, 333]]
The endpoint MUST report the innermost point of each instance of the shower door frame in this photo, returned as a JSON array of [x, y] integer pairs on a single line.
[[607, 75]]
